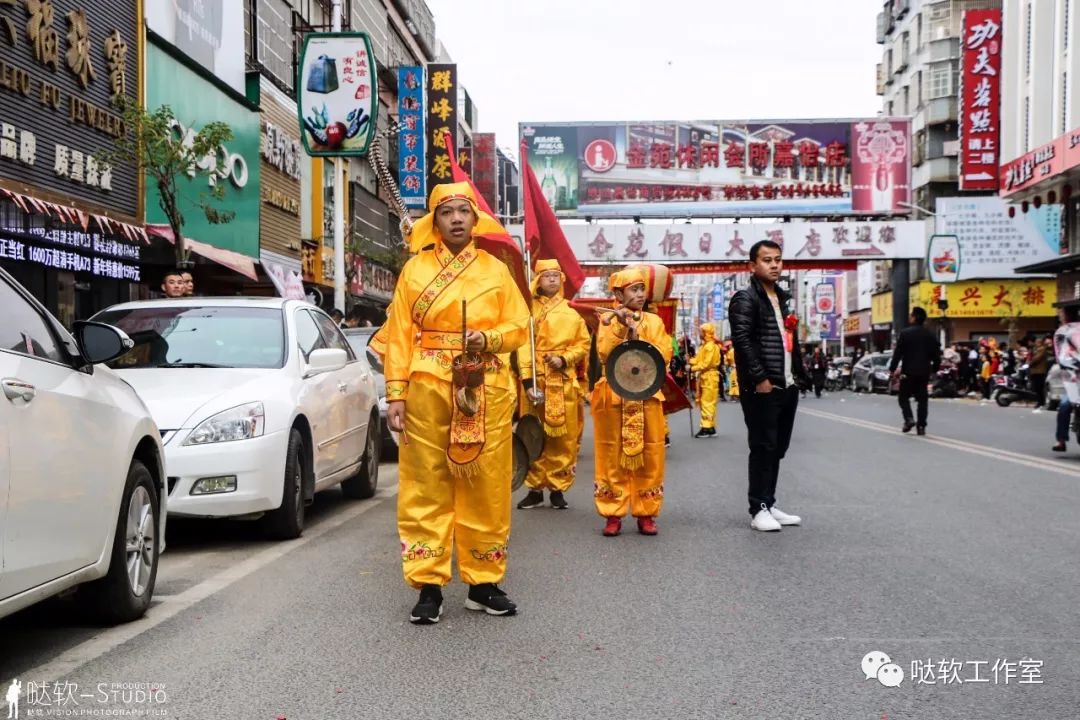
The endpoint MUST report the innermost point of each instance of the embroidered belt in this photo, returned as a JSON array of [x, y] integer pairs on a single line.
[[438, 340]]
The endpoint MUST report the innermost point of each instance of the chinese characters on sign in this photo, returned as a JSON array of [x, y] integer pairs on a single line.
[[441, 119], [281, 150], [1028, 169], [338, 94], [730, 242], [980, 97], [84, 252], [992, 244], [412, 159], [989, 298]]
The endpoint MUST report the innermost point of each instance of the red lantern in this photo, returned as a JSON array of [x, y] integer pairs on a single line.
[[1037, 202], [1012, 211], [1024, 206]]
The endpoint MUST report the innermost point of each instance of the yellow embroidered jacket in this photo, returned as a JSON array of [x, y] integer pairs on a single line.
[[424, 324], [559, 331]]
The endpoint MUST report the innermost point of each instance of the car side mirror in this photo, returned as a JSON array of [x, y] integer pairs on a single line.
[[100, 343], [325, 360], [375, 362]]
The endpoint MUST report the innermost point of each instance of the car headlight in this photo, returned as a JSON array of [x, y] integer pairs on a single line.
[[239, 423]]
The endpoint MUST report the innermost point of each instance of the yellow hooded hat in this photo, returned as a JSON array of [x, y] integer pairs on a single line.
[[708, 331], [425, 233], [625, 278], [541, 267]]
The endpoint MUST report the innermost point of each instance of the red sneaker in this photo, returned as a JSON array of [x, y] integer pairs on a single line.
[[613, 527], [646, 526]]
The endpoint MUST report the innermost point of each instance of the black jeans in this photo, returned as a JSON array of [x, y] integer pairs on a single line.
[[1038, 386], [769, 420], [914, 385]]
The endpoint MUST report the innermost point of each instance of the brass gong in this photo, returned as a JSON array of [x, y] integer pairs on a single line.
[[635, 370]]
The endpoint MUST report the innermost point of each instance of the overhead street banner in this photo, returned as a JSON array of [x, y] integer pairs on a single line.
[[770, 168], [602, 243]]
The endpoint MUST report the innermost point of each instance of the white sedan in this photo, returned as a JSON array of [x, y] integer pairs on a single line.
[[82, 479], [261, 403]]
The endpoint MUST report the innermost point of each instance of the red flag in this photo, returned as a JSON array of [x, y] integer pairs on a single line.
[[543, 234], [503, 246]]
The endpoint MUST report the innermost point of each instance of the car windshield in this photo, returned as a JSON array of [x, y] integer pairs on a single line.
[[201, 337], [881, 361]]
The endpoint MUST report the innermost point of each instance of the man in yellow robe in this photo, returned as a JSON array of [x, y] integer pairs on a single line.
[[456, 453], [706, 363], [629, 434], [562, 343]]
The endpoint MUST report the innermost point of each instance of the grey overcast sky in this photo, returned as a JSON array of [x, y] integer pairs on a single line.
[[567, 60]]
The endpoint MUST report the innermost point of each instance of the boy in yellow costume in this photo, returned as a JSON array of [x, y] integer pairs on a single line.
[[629, 434], [733, 377], [706, 363], [562, 343], [455, 456]]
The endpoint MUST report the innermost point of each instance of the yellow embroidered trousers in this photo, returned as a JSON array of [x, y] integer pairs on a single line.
[[710, 393], [554, 469], [437, 512], [617, 489]]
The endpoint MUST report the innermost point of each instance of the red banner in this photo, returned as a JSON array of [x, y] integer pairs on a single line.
[[980, 100], [485, 167]]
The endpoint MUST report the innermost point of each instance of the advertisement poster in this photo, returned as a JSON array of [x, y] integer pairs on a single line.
[[441, 119], [197, 29], [989, 243], [980, 100], [412, 160], [720, 168], [337, 94]]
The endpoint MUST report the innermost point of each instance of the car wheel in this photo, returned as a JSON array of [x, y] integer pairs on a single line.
[[363, 484], [287, 522], [124, 593]]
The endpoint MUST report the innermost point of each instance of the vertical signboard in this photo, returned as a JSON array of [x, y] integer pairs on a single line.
[[337, 94], [441, 119], [881, 166], [484, 167], [980, 100], [412, 163]]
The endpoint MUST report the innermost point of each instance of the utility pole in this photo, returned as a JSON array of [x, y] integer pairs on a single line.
[[339, 198]]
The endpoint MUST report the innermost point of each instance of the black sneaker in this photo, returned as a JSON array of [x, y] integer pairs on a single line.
[[667, 441], [712, 432], [428, 609], [534, 499], [558, 501], [487, 597], [921, 430], [702, 433]]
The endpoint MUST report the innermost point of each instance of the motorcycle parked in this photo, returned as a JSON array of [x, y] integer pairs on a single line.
[[1009, 389], [838, 376], [946, 383]]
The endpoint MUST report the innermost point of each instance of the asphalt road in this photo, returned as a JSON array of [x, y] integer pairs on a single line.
[[960, 547]]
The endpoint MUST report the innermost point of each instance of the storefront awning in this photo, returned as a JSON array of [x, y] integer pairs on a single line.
[[1065, 263], [232, 260]]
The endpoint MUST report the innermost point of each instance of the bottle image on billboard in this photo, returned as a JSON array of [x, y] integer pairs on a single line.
[[548, 186]]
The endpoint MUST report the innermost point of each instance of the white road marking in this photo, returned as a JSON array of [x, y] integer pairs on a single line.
[[166, 607], [1031, 461]]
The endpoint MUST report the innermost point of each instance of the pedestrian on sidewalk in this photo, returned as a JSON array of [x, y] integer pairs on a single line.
[[552, 389], [767, 360], [1063, 346], [629, 434], [1039, 366], [453, 404], [707, 366], [819, 368], [916, 357]]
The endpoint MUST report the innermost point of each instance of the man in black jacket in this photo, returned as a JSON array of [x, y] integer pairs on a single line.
[[767, 360], [917, 354]]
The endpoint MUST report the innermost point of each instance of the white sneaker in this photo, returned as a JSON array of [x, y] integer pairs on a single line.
[[783, 518], [764, 521]]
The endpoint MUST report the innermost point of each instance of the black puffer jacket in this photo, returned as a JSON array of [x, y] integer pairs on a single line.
[[759, 346]]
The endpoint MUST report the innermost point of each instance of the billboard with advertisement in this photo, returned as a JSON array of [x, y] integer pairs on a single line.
[[197, 29], [412, 157], [980, 100], [679, 243], [722, 168], [989, 243], [338, 94], [987, 298], [442, 118]]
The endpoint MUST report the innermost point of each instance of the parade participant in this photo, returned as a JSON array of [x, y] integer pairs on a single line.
[[768, 361], [917, 355], [732, 374], [453, 409], [629, 434], [562, 344], [706, 363]]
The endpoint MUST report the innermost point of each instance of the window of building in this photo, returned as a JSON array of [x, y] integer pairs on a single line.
[[905, 50], [941, 81], [907, 100], [918, 89], [919, 40]]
